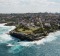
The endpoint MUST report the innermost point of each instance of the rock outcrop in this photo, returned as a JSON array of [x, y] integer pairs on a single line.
[[29, 37]]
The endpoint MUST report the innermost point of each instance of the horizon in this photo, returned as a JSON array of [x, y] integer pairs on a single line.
[[32, 13]]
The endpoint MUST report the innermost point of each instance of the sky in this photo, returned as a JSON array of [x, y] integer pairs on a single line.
[[29, 6]]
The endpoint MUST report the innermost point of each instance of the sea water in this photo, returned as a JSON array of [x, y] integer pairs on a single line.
[[10, 46]]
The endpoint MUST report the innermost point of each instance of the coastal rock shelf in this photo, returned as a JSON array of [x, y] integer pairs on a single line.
[[31, 33], [28, 37]]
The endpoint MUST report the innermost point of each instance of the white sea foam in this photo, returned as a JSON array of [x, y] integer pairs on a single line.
[[49, 38], [12, 27], [10, 44], [7, 27], [2, 24], [15, 48], [5, 37]]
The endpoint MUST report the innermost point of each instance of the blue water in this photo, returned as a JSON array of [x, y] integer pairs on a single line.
[[9, 46]]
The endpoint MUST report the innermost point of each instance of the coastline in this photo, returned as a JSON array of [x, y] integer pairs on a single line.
[[23, 37], [50, 37], [2, 24], [15, 45]]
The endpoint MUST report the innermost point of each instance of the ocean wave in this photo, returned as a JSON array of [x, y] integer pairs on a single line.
[[49, 38], [4, 37], [2, 24], [19, 46]]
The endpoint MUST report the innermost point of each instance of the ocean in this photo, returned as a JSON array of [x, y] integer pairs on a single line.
[[10, 46]]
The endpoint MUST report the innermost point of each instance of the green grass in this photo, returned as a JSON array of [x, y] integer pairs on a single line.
[[26, 31]]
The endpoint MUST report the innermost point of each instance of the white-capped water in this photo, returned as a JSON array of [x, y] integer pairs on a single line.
[[49, 38], [4, 37], [16, 47]]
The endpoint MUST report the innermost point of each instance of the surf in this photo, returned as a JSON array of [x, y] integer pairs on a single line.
[[4, 37], [51, 37], [19, 46]]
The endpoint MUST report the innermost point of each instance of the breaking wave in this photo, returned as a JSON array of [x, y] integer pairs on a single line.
[[19, 46], [4, 37], [49, 38]]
